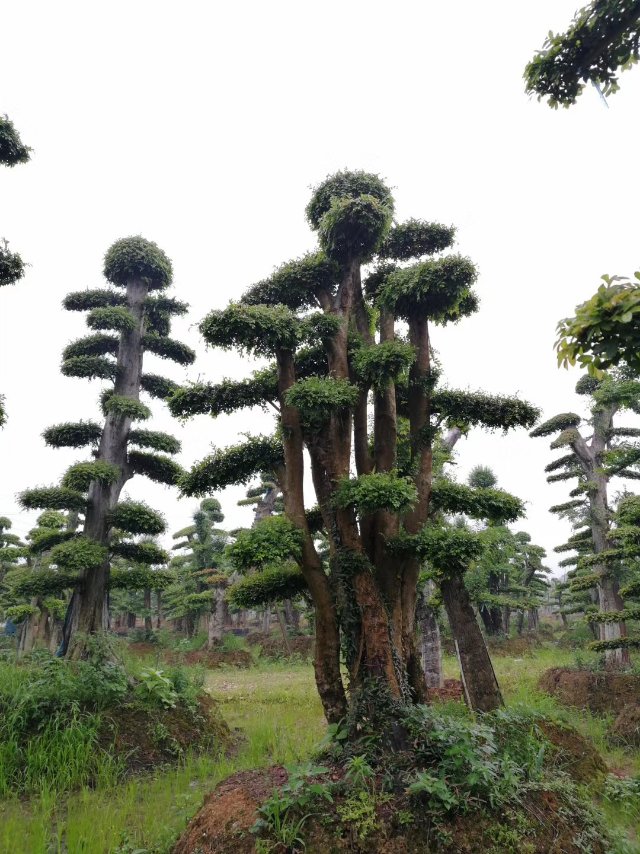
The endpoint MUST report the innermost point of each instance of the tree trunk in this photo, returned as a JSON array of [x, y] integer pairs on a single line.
[[216, 618], [88, 609], [159, 608], [479, 680], [148, 622], [131, 620], [266, 620], [291, 614], [430, 642]]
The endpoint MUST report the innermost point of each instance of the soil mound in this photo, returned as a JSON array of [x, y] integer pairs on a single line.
[[210, 658], [451, 690], [145, 737], [516, 646], [626, 727], [573, 753], [599, 692], [274, 647], [218, 658], [223, 826]]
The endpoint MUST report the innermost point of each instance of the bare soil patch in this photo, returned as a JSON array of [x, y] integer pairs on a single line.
[[223, 825], [599, 692], [146, 737]]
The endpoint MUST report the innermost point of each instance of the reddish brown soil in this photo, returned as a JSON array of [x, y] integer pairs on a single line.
[[222, 826], [598, 692], [145, 737], [451, 690]]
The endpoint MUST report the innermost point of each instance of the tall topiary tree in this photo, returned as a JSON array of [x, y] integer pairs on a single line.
[[340, 348], [594, 458], [128, 319], [12, 152]]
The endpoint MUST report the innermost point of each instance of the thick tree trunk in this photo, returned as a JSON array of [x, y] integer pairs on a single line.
[[88, 610], [327, 649], [479, 680], [131, 620]]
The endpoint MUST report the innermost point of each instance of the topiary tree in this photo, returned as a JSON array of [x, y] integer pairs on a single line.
[[508, 576], [594, 459], [603, 37], [128, 320], [200, 573], [338, 350], [12, 152]]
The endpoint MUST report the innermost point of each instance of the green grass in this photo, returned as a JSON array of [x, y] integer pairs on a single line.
[[275, 707], [278, 711]]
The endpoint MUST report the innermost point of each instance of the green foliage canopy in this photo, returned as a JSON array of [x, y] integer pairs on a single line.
[[603, 37]]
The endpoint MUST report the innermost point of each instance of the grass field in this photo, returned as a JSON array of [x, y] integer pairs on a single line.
[[275, 708]]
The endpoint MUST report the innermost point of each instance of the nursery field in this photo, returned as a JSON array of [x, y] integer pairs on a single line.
[[276, 717]]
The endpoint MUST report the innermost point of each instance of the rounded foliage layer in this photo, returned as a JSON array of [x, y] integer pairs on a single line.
[[474, 408], [257, 329], [156, 467], [53, 498], [296, 283], [94, 298], [126, 407], [168, 348], [342, 185], [80, 475], [318, 398], [557, 423], [145, 553], [354, 228], [135, 517], [73, 434], [79, 555], [272, 541], [263, 588], [235, 464], [137, 258], [481, 503], [438, 289], [92, 345], [89, 368], [155, 440], [415, 238], [380, 364], [115, 317], [377, 491], [157, 386]]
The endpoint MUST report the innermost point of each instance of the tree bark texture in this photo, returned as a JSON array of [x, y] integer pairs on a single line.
[[88, 610], [481, 686]]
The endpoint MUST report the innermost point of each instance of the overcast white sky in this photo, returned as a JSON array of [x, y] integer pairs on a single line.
[[202, 126]]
